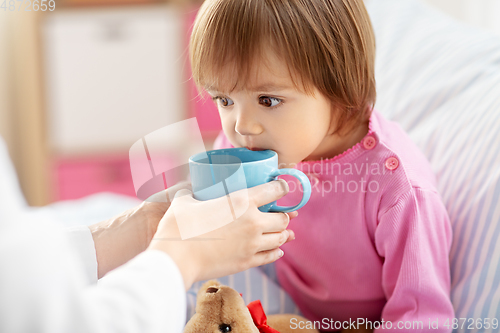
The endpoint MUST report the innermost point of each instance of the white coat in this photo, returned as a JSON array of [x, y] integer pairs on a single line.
[[48, 283]]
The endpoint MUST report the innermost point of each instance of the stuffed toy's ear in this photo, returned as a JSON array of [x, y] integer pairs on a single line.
[[205, 286], [219, 309]]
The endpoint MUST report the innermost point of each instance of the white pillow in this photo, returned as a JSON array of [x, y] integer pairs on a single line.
[[440, 80]]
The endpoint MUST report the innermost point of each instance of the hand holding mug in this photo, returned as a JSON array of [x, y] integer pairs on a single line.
[[253, 239]]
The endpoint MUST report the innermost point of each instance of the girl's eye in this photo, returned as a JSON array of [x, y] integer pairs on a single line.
[[269, 101], [224, 101]]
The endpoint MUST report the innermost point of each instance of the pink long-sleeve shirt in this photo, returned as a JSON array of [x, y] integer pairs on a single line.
[[373, 241]]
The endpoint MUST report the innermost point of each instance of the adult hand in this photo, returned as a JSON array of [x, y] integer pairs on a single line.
[[121, 238], [252, 239]]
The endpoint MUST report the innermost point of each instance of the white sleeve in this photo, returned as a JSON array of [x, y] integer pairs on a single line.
[[43, 288], [81, 239]]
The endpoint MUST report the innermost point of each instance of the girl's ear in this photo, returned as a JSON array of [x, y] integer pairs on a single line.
[[334, 115]]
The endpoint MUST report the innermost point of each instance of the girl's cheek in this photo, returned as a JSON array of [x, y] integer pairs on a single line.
[[227, 126]]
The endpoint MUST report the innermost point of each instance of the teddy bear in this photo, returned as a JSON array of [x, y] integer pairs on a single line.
[[221, 309]]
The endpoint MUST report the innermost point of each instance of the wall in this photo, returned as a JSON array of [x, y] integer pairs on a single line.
[[21, 101]]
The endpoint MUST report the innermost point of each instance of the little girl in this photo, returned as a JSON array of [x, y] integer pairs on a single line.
[[297, 77]]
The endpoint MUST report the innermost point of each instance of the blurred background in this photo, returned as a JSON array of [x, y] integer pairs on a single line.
[[81, 83]]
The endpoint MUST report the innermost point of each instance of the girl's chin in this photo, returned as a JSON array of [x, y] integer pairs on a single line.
[[283, 163]]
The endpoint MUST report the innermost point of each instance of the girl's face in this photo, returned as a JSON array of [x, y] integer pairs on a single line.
[[270, 113]]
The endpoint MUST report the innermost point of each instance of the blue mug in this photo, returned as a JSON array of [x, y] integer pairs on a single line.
[[219, 172]]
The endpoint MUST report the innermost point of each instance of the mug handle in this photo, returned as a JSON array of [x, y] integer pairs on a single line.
[[306, 186]]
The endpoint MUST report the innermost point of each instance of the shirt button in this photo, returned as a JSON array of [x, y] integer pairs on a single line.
[[369, 142], [392, 163]]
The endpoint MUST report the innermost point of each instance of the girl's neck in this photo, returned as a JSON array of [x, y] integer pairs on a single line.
[[334, 145]]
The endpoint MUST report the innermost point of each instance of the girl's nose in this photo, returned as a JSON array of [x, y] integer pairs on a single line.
[[247, 124]]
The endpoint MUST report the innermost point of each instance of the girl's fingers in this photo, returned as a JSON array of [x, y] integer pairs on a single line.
[[271, 241]]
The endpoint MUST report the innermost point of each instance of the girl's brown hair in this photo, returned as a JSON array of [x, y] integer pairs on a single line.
[[326, 44]]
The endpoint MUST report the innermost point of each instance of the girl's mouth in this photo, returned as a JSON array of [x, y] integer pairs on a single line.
[[254, 148]]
